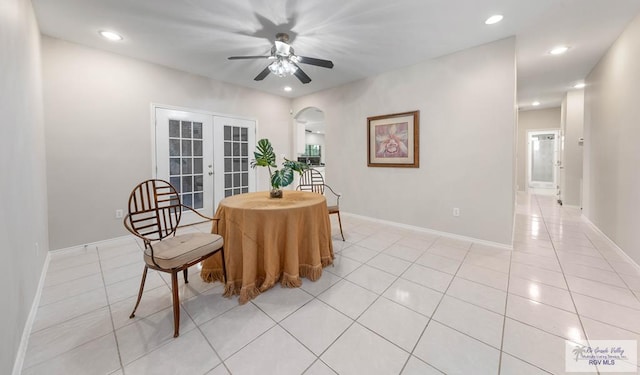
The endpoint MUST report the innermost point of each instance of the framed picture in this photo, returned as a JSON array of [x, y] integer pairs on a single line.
[[392, 140]]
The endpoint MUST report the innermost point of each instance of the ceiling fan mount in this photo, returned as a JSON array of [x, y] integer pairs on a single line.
[[285, 61], [282, 37]]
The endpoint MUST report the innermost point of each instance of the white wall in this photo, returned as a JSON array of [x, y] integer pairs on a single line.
[[467, 143], [23, 216], [612, 156], [538, 119], [572, 129], [98, 133]]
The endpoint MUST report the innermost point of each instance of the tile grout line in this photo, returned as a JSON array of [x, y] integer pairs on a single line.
[[434, 312], [504, 315], [354, 321], [525, 323], [202, 333], [113, 326], [578, 315]]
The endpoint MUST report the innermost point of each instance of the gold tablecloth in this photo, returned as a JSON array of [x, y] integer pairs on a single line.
[[267, 239]]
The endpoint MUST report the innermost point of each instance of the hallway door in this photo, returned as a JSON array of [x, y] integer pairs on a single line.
[[543, 159]]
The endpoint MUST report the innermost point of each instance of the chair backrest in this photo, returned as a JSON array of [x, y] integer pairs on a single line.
[[311, 180], [154, 209]]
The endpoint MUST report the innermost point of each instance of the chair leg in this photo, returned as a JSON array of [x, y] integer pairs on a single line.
[[144, 278], [340, 223], [176, 303], [185, 273]]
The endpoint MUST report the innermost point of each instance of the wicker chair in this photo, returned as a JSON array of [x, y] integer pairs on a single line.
[[154, 216], [312, 180]]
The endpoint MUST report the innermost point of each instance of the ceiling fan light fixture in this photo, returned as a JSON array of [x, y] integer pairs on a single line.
[[283, 49], [282, 67]]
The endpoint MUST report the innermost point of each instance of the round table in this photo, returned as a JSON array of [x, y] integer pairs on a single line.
[[270, 239]]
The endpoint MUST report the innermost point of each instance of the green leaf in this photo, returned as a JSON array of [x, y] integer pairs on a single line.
[[264, 155], [295, 165], [281, 178]]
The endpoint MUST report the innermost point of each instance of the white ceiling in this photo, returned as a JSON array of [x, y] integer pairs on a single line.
[[362, 37]]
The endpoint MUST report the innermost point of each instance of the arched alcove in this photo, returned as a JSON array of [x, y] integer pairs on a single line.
[[309, 132]]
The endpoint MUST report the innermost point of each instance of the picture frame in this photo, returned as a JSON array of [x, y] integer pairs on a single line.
[[393, 140]]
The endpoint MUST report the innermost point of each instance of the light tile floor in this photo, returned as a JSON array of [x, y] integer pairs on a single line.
[[396, 301]]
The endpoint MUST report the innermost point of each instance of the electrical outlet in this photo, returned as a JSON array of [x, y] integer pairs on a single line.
[[119, 214], [37, 249], [456, 211]]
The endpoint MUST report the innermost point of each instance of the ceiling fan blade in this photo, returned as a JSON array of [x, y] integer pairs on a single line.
[[317, 62], [262, 74], [247, 57], [302, 76]]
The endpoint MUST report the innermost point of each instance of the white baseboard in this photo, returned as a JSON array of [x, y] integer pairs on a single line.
[[615, 246], [97, 243], [572, 206], [431, 231], [26, 332]]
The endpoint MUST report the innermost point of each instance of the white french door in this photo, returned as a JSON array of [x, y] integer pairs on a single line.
[[184, 157], [543, 159], [205, 157], [238, 139]]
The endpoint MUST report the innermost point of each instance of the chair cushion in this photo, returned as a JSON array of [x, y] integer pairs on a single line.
[[333, 209], [173, 252]]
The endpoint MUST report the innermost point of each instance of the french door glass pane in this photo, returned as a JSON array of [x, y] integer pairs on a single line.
[[187, 200], [174, 128], [174, 147], [187, 184], [197, 165], [236, 152], [186, 172], [175, 181], [197, 130], [198, 183], [186, 129], [227, 148], [187, 166], [174, 166], [186, 147], [197, 200], [197, 148]]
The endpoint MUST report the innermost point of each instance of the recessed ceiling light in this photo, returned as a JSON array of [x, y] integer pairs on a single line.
[[494, 19], [110, 35], [535, 104], [287, 88], [559, 50], [580, 85]]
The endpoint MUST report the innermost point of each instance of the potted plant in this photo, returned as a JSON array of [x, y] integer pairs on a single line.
[[265, 157]]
